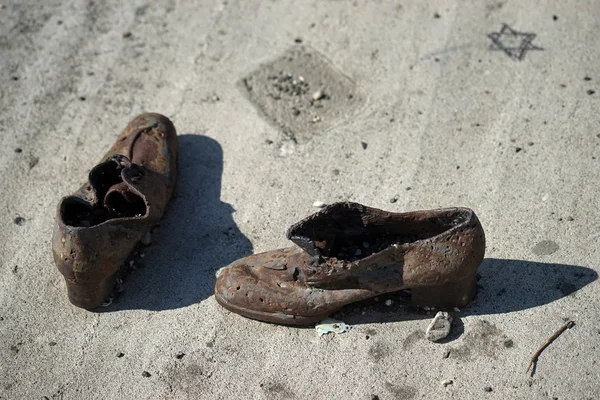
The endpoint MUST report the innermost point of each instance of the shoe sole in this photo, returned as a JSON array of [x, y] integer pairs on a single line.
[[275, 318]]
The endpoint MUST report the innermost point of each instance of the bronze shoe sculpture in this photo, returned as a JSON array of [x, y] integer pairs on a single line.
[[349, 252], [99, 225]]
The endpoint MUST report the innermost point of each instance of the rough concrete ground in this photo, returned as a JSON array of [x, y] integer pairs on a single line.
[[446, 117]]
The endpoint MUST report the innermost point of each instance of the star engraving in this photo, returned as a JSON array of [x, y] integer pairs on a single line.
[[514, 44]]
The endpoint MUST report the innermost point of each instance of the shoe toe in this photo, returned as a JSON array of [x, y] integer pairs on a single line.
[[270, 287], [248, 284]]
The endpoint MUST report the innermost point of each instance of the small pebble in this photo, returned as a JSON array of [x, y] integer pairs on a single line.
[[487, 389], [439, 327], [146, 374], [318, 204], [393, 199], [389, 302], [318, 95], [146, 239], [447, 382], [107, 303]]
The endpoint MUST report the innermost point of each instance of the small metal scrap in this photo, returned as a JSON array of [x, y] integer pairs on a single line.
[[331, 325], [551, 339]]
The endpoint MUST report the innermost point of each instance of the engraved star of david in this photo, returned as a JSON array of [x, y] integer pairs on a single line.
[[514, 44]]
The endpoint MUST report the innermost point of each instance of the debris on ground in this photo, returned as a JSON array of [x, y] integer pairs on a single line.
[[551, 339], [439, 327], [319, 204], [318, 95], [331, 325], [107, 303], [447, 382]]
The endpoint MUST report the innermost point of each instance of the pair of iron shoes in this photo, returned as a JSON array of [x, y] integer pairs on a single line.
[[344, 253]]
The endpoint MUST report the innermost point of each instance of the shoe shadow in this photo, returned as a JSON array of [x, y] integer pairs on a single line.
[[196, 236], [504, 286]]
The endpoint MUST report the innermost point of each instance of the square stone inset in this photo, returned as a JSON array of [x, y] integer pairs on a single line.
[[302, 93]]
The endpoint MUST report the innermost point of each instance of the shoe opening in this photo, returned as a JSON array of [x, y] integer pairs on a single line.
[[350, 231], [122, 202], [76, 212], [114, 199]]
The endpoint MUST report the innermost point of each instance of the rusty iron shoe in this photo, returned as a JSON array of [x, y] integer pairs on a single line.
[[127, 192], [349, 252]]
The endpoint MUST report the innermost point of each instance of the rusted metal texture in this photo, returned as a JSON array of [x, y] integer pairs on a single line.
[[126, 194], [349, 252]]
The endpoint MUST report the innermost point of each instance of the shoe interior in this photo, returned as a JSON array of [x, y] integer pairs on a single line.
[[114, 200], [352, 232]]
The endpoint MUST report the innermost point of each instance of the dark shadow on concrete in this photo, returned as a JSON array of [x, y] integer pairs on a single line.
[[197, 236], [504, 286], [513, 285]]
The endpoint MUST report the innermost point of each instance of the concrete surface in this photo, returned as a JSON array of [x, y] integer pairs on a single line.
[[446, 118]]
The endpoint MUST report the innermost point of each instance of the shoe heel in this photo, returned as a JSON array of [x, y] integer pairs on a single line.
[[448, 295], [90, 295]]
